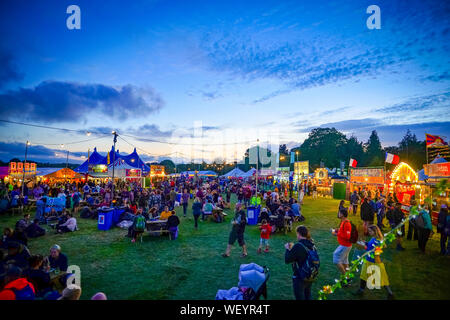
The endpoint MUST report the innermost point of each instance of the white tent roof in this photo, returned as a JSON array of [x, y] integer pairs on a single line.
[[236, 172], [249, 173]]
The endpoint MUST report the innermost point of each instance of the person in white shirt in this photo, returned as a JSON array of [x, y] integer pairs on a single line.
[[69, 226]]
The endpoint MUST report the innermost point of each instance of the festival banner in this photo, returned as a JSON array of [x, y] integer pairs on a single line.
[[437, 169], [301, 168], [367, 175]]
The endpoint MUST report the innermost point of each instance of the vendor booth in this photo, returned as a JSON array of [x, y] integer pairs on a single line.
[[19, 170], [62, 174], [123, 170], [430, 177], [403, 181], [367, 178], [322, 182]]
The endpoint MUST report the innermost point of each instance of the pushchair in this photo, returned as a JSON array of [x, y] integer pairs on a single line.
[[252, 284]]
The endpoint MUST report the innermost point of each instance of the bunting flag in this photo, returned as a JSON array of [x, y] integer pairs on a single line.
[[352, 163], [392, 158], [108, 160], [435, 141]]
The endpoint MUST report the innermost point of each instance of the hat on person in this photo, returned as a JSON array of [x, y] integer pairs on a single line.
[[99, 296], [71, 292], [56, 247]]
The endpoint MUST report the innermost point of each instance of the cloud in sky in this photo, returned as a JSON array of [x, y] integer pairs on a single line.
[[56, 101], [8, 69]]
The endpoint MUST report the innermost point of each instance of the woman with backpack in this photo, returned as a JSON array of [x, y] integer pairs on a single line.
[[373, 260], [305, 263], [424, 227]]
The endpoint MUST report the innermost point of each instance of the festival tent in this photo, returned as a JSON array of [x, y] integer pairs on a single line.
[[235, 173], [123, 170], [94, 159], [135, 161], [207, 173], [64, 173], [250, 173]]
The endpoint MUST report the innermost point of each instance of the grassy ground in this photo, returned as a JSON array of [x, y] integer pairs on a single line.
[[192, 267]]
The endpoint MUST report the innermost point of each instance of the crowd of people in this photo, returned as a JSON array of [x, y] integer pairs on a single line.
[[210, 198]]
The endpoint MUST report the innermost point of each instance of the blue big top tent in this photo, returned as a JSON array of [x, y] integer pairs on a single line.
[[96, 158]]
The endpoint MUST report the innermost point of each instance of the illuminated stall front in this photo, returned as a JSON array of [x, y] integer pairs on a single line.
[[368, 178], [404, 183], [322, 182]]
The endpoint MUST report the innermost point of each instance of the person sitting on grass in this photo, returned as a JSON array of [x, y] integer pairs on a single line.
[[172, 225], [57, 260], [23, 223], [207, 209], [373, 259], [17, 286], [38, 277], [266, 230], [69, 226], [34, 230], [18, 255]]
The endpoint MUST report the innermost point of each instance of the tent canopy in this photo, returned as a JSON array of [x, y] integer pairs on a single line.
[[236, 173], [64, 173], [133, 160], [249, 173]]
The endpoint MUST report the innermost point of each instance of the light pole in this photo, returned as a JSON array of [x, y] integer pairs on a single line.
[[257, 165], [114, 159], [25, 162]]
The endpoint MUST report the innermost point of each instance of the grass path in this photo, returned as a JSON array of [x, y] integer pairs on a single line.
[[192, 267]]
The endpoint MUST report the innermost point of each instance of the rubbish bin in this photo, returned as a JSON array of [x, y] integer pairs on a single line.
[[105, 218], [253, 214], [116, 214]]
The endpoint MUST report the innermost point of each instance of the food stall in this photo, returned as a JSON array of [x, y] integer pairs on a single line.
[[63, 174], [19, 170], [322, 182], [430, 179], [403, 181], [368, 178]]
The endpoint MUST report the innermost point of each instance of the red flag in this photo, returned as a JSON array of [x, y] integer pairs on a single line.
[[352, 163], [435, 141]]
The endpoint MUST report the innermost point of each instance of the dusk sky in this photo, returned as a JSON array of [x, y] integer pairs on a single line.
[[240, 70]]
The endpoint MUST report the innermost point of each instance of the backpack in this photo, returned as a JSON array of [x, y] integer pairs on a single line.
[[140, 223], [419, 221], [310, 268], [353, 233], [26, 293]]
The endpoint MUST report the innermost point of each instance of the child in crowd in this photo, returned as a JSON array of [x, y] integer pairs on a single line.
[[266, 230], [373, 261]]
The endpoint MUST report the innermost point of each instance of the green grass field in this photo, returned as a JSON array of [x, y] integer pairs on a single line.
[[192, 267]]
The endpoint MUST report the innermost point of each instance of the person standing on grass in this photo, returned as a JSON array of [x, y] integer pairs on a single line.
[[443, 228], [297, 254], [367, 214], [237, 232], [373, 259], [185, 201], [266, 230], [340, 255], [412, 230], [425, 230], [172, 225], [196, 210]]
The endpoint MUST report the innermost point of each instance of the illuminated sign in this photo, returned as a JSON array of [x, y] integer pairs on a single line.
[[437, 169], [301, 168], [367, 175]]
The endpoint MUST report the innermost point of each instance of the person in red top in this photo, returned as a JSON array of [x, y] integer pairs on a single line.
[[17, 287], [340, 255], [266, 230]]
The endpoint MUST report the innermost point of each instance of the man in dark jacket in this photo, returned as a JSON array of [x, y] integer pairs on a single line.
[[297, 255], [442, 222], [18, 255], [34, 230], [367, 214], [237, 231]]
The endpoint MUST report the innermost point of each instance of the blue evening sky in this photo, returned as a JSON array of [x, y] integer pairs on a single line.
[[241, 70]]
